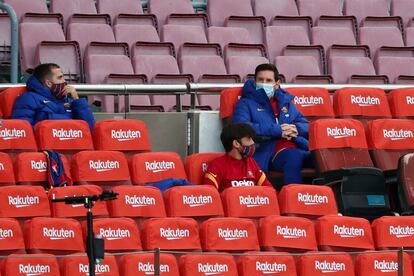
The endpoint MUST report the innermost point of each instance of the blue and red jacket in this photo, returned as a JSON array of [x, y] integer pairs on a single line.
[[38, 104], [255, 109]]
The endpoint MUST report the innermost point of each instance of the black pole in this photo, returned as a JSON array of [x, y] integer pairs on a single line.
[[401, 262], [90, 238], [157, 262]]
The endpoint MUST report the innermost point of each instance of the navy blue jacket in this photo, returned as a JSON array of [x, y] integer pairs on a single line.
[[255, 109], [38, 104]]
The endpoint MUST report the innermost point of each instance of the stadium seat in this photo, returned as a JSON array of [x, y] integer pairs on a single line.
[[228, 100], [405, 182], [391, 233], [362, 9], [400, 101], [78, 264], [156, 166], [21, 7], [316, 8], [380, 263], [115, 8], [103, 168], [403, 8], [219, 11], [119, 234], [29, 264], [8, 97], [250, 202], [67, 9], [180, 34], [294, 66], [31, 34], [328, 35], [6, 170], [196, 165], [59, 236], [77, 211], [343, 68], [226, 35], [321, 264], [143, 264], [162, 9], [269, 10], [344, 234], [30, 168], [129, 136], [170, 234], [376, 37], [228, 234], [341, 154], [130, 34], [308, 201], [396, 63], [203, 264], [287, 234], [266, 264], [12, 241]]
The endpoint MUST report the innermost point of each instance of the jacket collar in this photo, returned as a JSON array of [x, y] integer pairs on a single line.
[[34, 85], [259, 96]]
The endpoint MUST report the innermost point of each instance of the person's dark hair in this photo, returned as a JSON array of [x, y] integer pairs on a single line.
[[44, 71], [267, 67], [233, 132]]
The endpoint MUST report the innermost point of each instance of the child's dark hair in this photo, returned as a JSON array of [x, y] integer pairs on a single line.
[[233, 132]]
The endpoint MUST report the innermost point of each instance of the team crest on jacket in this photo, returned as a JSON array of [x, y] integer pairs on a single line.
[[284, 109]]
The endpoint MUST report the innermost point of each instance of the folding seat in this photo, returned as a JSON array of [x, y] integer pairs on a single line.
[[402, 8], [196, 165], [16, 136], [266, 264], [219, 11], [21, 7], [11, 241], [314, 103], [8, 97], [78, 264], [30, 264], [31, 34], [316, 8], [400, 101], [226, 35], [77, 211], [228, 234], [344, 68], [287, 234], [341, 154], [396, 63], [392, 233], [320, 264], [67, 137], [130, 33], [115, 8], [228, 100], [405, 182], [341, 233], [162, 9], [327, 36], [170, 234], [297, 66], [362, 9], [203, 264], [6, 170], [376, 37], [269, 10], [142, 264], [152, 167], [180, 34], [69, 8], [380, 263], [30, 168], [253, 24], [344, 21], [53, 235]]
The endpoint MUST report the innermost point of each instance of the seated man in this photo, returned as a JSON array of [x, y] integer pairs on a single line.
[[281, 129], [49, 98], [236, 167]]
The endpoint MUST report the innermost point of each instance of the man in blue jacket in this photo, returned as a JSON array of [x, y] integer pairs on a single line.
[[281, 129], [49, 98]]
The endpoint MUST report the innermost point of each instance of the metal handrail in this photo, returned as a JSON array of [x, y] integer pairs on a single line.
[[14, 40]]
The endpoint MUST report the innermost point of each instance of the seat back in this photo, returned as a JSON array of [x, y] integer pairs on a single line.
[[321, 264], [180, 34], [67, 9], [316, 8], [406, 181], [379, 263], [8, 97], [376, 37], [115, 8], [21, 7], [199, 264], [12, 238], [162, 9], [228, 100], [143, 264], [269, 10], [196, 165], [17, 136], [401, 101], [282, 264], [16, 264], [226, 35], [362, 9], [78, 264], [342, 68], [219, 10], [6, 170], [393, 232]]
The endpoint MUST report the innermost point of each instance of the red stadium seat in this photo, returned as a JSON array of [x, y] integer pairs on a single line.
[[196, 165], [11, 237], [119, 234], [198, 202], [170, 234], [156, 166], [79, 265], [78, 211], [17, 136], [30, 264], [401, 103], [340, 233], [228, 100], [381, 263], [8, 98], [282, 264], [406, 182], [6, 170], [320, 264], [393, 232], [228, 234], [202, 264], [250, 202], [53, 235], [142, 264], [104, 168], [289, 234], [309, 201]]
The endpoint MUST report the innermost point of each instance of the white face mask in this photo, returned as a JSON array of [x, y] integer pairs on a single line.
[[269, 88]]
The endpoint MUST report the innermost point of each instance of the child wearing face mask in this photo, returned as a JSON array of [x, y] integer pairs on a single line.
[[237, 167]]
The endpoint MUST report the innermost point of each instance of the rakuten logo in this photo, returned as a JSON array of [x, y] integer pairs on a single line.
[[114, 234], [125, 135], [290, 233], [232, 234], [67, 134], [329, 267], [385, 266], [401, 232], [204, 167], [241, 183], [395, 135], [365, 101], [338, 133], [348, 232], [270, 268], [139, 201], [161, 166], [5, 234], [148, 268], [10, 134], [410, 100], [256, 201], [103, 166], [174, 234], [23, 201], [314, 199], [33, 270], [58, 234], [197, 201], [40, 166], [2, 167], [308, 101], [212, 269], [99, 269]]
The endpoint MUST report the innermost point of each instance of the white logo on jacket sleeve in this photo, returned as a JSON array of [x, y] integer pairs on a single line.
[[10, 134], [67, 134], [365, 101]]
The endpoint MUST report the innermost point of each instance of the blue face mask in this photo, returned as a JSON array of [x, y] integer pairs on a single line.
[[269, 88]]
